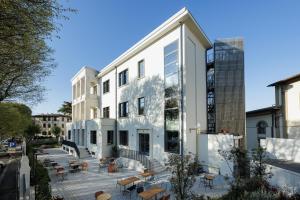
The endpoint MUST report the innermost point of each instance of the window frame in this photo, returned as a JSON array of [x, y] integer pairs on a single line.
[[139, 106], [106, 86], [139, 70], [110, 137], [126, 142], [123, 75], [123, 111], [106, 112]]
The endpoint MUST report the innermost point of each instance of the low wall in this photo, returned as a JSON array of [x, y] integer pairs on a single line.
[[69, 150], [285, 179], [209, 155], [283, 149]]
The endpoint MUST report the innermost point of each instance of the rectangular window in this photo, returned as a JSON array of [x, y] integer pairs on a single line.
[[141, 106], [69, 134], [106, 112], [123, 138], [54, 118], [93, 137], [62, 132], [123, 109], [123, 77], [49, 125], [94, 89], [54, 124], [49, 119], [44, 125], [171, 74], [62, 125], [62, 119], [172, 141], [44, 118], [110, 137], [105, 86], [141, 69]]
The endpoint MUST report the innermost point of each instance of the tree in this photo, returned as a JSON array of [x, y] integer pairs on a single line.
[[25, 57], [15, 118], [66, 108], [56, 131], [31, 131], [182, 180]]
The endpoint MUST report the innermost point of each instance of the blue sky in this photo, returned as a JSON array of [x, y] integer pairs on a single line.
[[102, 30]]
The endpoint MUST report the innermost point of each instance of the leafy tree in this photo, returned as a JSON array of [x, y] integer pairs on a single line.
[[25, 57], [14, 119], [31, 131], [182, 180], [56, 131], [259, 165], [66, 108]]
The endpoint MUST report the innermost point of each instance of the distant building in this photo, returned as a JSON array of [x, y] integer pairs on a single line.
[[47, 121], [279, 121]]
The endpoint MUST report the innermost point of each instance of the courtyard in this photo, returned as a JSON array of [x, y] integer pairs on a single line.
[[84, 184]]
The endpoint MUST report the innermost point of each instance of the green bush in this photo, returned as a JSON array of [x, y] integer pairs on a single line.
[[43, 189]]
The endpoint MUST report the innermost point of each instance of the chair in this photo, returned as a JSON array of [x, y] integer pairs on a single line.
[[98, 193], [129, 190], [84, 166]]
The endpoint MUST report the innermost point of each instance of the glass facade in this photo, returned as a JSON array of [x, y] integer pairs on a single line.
[[171, 74]]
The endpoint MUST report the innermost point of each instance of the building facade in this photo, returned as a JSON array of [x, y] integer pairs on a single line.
[[279, 121], [151, 99], [47, 121]]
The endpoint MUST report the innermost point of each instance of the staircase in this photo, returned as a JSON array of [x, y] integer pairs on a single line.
[[156, 166], [84, 152]]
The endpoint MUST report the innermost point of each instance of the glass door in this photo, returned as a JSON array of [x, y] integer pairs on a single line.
[[144, 145]]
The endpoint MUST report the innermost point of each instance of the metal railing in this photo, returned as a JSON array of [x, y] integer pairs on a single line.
[[71, 144], [135, 155]]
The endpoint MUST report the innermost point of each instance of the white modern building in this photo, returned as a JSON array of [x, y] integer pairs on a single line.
[[279, 121], [152, 99]]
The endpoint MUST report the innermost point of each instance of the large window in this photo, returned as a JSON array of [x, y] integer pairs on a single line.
[[123, 109], [141, 69], [141, 105], [123, 77], [172, 141], [123, 138], [105, 86], [106, 112], [93, 137], [110, 137], [171, 72], [69, 134]]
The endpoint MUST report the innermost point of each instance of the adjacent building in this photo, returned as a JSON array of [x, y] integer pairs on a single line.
[[281, 120], [153, 99], [47, 121]]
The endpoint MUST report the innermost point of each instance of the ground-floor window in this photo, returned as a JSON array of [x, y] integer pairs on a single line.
[[110, 137], [123, 138], [172, 141], [93, 137], [69, 134]]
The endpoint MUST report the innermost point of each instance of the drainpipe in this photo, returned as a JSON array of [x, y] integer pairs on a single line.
[[181, 90], [116, 106]]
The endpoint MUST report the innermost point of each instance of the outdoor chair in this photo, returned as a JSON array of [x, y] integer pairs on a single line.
[[98, 193], [84, 166], [129, 190]]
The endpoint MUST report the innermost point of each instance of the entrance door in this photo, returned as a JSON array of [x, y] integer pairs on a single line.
[[144, 143]]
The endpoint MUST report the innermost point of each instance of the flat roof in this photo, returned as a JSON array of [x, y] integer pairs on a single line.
[[50, 115], [290, 79], [266, 110], [181, 16]]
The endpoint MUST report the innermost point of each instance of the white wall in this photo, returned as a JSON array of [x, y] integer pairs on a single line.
[[285, 179], [292, 101], [251, 129], [280, 148], [194, 89], [209, 146]]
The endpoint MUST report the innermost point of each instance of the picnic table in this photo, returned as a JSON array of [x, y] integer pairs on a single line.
[[58, 167], [152, 192], [127, 181], [147, 174], [210, 179], [104, 196], [61, 173]]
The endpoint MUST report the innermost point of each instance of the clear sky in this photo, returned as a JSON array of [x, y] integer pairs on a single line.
[[102, 30]]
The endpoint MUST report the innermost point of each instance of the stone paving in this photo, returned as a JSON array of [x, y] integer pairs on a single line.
[[83, 185]]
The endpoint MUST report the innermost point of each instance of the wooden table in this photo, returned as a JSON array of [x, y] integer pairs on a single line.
[[147, 174], [127, 181], [104, 196], [210, 178], [152, 192], [58, 167], [61, 173]]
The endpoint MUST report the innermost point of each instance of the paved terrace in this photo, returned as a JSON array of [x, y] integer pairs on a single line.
[[83, 185]]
